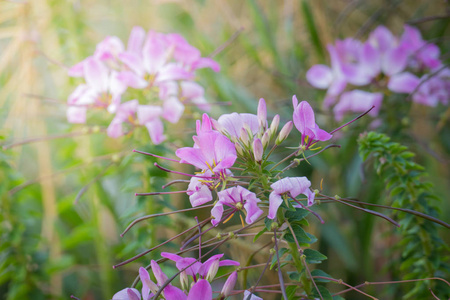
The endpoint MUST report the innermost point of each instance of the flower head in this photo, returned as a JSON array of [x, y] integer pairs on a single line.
[[212, 150], [237, 198], [305, 122], [292, 186]]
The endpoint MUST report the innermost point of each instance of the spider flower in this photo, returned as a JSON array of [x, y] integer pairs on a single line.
[[237, 198], [305, 123], [292, 186], [212, 150]]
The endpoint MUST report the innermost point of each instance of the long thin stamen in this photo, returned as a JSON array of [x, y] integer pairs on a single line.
[[179, 173], [159, 193], [156, 247], [154, 155], [358, 117], [364, 210], [311, 211], [161, 214], [175, 181]]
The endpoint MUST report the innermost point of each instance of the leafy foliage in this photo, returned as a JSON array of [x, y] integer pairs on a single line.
[[423, 249]]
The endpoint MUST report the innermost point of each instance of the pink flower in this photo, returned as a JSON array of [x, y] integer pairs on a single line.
[[292, 186], [127, 294], [201, 290], [305, 123], [237, 198], [229, 284], [103, 88], [358, 101], [403, 83], [212, 150], [422, 54], [148, 115], [433, 90], [199, 189], [126, 112], [207, 270]]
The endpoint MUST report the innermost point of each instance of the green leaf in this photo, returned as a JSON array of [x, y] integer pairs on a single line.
[[268, 223], [326, 295], [300, 234], [281, 252], [318, 272], [296, 215], [290, 291], [295, 276], [259, 234], [313, 256]]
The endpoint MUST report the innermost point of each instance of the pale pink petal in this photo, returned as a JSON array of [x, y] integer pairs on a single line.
[[147, 113], [159, 274], [358, 101], [275, 201], [394, 61], [115, 128], [403, 83], [154, 52], [127, 294], [77, 70], [370, 61], [172, 71], [136, 40], [131, 79], [133, 61], [250, 296], [96, 74], [76, 114], [319, 76], [156, 130], [172, 110], [382, 39], [216, 213], [229, 284], [206, 62], [109, 48]]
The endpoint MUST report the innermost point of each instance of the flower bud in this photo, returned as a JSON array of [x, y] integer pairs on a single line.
[[229, 285], [274, 125], [217, 126], [284, 132], [212, 270], [262, 113], [265, 139], [239, 149], [258, 150], [244, 136], [184, 281]]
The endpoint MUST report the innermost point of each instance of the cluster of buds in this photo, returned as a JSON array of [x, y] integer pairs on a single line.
[[381, 65], [157, 69]]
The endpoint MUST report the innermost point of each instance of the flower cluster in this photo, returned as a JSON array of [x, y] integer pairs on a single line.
[[201, 275], [382, 64], [245, 137], [159, 68], [231, 156]]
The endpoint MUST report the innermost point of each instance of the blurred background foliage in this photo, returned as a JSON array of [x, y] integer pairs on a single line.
[[52, 247]]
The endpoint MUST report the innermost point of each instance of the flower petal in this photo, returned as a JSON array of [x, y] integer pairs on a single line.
[[320, 76], [200, 291], [403, 83]]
